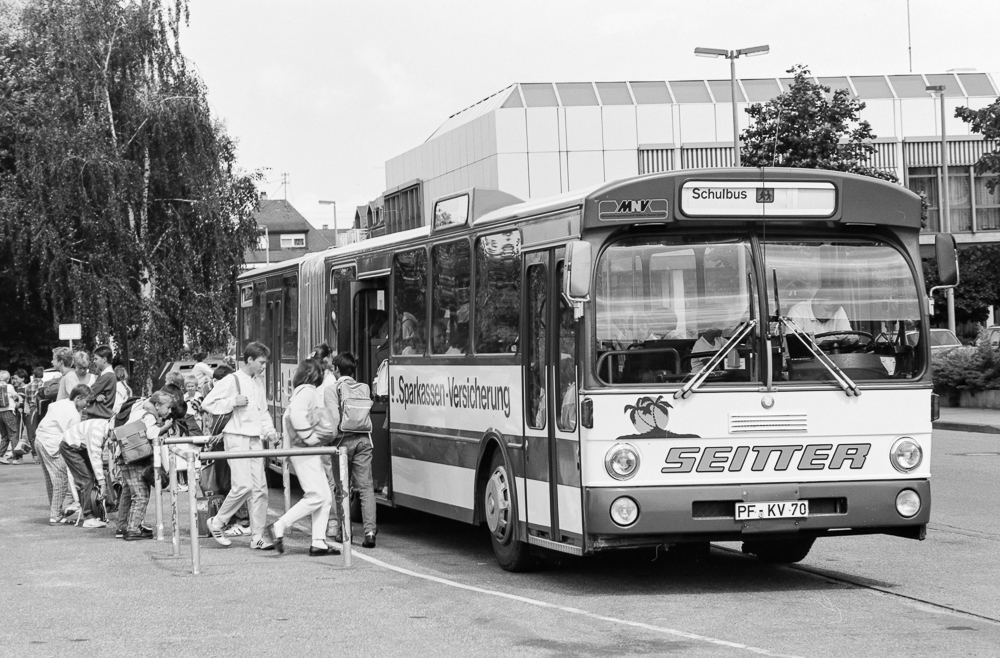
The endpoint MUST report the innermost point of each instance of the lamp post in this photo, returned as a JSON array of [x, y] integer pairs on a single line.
[[336, 240], [732, 56], [945, 223]]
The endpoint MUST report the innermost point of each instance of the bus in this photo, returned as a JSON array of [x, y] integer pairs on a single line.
[[678, 358]]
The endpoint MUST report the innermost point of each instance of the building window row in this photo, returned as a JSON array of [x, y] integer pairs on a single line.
[[971, 206]]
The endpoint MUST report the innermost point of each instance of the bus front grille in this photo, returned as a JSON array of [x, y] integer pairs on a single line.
[[768, 423]]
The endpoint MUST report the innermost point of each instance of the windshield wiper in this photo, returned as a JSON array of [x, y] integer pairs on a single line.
[[842, 380], [696, 381]]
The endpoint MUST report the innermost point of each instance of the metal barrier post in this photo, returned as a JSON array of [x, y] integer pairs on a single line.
[[158, 487], [286, 476], [192, 468], [175, 535], [345, 519]]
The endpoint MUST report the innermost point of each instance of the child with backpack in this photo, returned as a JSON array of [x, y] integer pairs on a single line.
[[353, 404]]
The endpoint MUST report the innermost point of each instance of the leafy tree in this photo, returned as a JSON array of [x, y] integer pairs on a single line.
[[809, 127], [979, 287], [121, 205], [986, 122]]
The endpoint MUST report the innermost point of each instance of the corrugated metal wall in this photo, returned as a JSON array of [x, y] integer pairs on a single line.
[[312, 303], [928, 154], [652, 161], [706, 157]]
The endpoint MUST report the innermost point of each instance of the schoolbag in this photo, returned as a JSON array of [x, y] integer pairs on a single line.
[[49, 390], [4, 398], [122, 416], [355, 406]]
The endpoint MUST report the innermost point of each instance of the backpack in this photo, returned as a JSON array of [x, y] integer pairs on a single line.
[[355, 406], [214, 424], [4, 398], [49, 390], [121, 417]]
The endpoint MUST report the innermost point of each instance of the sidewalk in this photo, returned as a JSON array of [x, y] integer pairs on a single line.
[[961, 419]]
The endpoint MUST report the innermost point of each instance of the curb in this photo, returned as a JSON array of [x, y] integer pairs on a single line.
[[965, 427]]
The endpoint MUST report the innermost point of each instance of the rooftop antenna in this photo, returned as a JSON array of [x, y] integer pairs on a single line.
[[909, 40]]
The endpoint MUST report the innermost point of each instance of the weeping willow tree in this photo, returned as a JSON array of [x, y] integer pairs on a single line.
[[121, 204]]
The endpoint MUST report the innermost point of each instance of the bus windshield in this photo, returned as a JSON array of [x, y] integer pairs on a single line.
[[855, 299], [666, 306]]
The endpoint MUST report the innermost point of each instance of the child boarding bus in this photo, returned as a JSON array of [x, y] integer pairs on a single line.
[[679, 358]]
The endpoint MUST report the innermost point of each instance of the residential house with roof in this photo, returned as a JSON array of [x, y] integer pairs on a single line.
[[284, 234]]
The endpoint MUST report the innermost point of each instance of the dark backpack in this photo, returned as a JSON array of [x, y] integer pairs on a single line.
[[122, 416], [49, 390]]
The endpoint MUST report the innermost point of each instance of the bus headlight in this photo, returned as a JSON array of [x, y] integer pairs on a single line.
[[622, 461], [907, 503], [906, 454], [624, 511]]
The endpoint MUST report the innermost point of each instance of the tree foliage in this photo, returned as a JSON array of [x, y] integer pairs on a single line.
[[979, 286], [808, 126], [985, 122], [121, 204]]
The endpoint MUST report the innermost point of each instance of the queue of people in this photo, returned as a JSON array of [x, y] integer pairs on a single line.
[[87, 473]]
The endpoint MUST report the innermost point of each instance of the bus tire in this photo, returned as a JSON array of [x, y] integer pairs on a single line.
[[500, 511], [780, 551]]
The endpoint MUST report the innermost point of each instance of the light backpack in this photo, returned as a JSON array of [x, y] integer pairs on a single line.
[[355, 406]]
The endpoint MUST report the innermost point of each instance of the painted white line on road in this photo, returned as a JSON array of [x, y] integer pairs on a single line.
[[575, 611], [301, 525]]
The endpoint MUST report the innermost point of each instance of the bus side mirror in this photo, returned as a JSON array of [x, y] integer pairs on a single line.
[[947, 259], [577, 280]]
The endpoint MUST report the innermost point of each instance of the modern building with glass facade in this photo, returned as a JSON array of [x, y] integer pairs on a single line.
[[535, 140]]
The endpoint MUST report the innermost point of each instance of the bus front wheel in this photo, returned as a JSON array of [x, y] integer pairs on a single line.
[[781, 551], [500, 510]]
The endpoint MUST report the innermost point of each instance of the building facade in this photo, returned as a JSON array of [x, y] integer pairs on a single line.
[[535, 140]]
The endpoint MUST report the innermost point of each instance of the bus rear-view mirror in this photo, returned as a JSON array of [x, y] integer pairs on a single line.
[[578, 261], [947, 259]]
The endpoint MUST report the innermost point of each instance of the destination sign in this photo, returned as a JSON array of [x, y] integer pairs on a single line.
[[758, 199]]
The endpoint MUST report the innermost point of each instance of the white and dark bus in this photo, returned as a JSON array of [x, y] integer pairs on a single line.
[[679, 358]]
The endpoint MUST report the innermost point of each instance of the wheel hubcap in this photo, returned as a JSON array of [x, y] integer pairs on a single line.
[[498, 503]]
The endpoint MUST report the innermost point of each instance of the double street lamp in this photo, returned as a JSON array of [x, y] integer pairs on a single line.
[[732, 56]]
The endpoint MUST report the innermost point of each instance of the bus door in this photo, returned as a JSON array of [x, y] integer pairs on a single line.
[[370, 344], [552, 441], [272, 339]]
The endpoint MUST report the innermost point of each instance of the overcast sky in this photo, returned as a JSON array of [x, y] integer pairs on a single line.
[[327, 91]]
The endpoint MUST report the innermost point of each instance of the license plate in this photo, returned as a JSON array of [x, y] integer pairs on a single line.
[[792, 509]]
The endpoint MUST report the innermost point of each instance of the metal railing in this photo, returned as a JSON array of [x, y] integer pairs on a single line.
[[194, 459]]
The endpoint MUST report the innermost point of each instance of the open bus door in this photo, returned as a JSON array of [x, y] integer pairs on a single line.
[[552, 439], [370, 345]]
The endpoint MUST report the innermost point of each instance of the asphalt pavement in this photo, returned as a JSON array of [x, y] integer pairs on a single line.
[[431, 587]]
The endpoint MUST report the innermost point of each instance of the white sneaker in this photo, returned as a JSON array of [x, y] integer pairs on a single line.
[[95, 523], [217, 532]]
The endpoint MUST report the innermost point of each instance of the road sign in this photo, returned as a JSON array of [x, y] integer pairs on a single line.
[[70, 331]]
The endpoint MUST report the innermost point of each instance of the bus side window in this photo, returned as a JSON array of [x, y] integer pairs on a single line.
[[536, 282], [409, 273], [498, 292], [450, 298]]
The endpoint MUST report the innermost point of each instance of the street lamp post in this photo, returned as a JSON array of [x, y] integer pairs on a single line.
[[336, 240], [945, 222], [732, 55]]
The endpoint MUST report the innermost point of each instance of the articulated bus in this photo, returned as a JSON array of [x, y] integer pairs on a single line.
[[678, 358]]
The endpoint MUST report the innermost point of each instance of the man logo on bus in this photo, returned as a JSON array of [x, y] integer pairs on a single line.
[[765, 195], [631, 206], [650, 417]]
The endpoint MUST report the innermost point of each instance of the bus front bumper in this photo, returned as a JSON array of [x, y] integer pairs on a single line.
[[707, 513]]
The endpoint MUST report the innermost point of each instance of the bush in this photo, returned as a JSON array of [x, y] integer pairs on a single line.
[[976, 369]]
